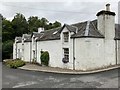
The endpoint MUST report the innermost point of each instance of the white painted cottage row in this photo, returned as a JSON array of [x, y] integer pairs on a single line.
[[81, 46]]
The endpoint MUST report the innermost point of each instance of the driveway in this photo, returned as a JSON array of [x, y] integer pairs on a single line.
[[16, 78]]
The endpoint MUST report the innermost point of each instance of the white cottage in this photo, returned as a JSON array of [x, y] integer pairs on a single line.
[[17, 48], [26, 47], [22, 48], [81, 46]]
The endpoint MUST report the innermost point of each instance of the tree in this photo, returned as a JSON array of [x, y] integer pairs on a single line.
[[56, 24], [7, 30], [49, 26], [53, 25], [19, 24], [7, 49], [1, 18], [33, 24], [44, 23]]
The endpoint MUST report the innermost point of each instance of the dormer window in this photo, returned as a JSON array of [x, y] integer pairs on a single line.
[[66, 36]]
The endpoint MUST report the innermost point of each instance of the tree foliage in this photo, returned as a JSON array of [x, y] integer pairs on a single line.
[[7, 48], [19, 24], [33, 24], [7, 30]]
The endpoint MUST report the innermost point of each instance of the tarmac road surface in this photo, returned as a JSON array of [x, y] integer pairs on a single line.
[[16, 78]]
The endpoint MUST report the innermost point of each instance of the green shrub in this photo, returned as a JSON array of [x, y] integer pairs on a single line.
[[44, 58], [15, 63]]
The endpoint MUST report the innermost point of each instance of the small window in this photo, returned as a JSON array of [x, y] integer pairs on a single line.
[[66, 55], [66, 36]]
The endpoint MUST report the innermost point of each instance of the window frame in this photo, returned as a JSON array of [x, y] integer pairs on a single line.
[[66, 36], [66, 54]]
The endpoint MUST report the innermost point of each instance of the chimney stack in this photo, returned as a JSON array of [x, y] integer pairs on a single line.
[[106, 22], [107, 7], [40, 30]]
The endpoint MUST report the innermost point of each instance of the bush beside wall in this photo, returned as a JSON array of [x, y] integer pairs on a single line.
[[44, 58]]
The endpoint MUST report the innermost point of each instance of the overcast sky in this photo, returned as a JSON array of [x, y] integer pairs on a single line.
[[69, 11]]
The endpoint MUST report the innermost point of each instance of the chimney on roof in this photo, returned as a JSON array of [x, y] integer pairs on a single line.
[[40, 30], [106, 22], [107, 7]]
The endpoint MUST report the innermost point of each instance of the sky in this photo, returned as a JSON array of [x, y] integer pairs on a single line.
[[64, 11]]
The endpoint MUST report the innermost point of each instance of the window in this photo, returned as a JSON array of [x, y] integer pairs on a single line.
[[66, 36], [66, 55]]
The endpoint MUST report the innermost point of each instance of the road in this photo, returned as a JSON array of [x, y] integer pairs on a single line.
[[16, 78]]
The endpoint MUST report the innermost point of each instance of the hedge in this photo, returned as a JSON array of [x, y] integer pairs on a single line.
[[15, 63]]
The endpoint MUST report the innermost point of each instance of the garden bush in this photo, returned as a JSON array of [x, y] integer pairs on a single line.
[[44, 58], [15, 63]]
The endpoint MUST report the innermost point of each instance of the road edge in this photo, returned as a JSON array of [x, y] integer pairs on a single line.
[[72, 73]]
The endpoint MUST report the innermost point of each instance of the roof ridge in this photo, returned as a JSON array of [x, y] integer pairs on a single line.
[[52, 29], [87, 28]]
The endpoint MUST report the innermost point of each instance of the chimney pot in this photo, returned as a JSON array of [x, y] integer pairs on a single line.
[[107, 7]]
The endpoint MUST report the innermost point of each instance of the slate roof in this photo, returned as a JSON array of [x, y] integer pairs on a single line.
[[27, 37], [50, 34], [36, 34], [70, 28], [81, 27], [92, 32], [79, 30]]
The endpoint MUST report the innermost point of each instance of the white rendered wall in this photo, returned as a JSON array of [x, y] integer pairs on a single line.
[[69, 45], [19, 50], [90, 54], [106, 25], [110, 51], [118, 51], [54, 49], [27, 52], [33, 48], [14, 50]]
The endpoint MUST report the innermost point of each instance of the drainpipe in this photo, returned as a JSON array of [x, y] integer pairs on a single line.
[[16, 50], [73, 53], [36, 49], [116, 47], [30, 50]]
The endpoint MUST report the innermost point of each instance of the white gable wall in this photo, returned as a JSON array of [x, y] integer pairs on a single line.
[[69, 45], [27, 51]]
